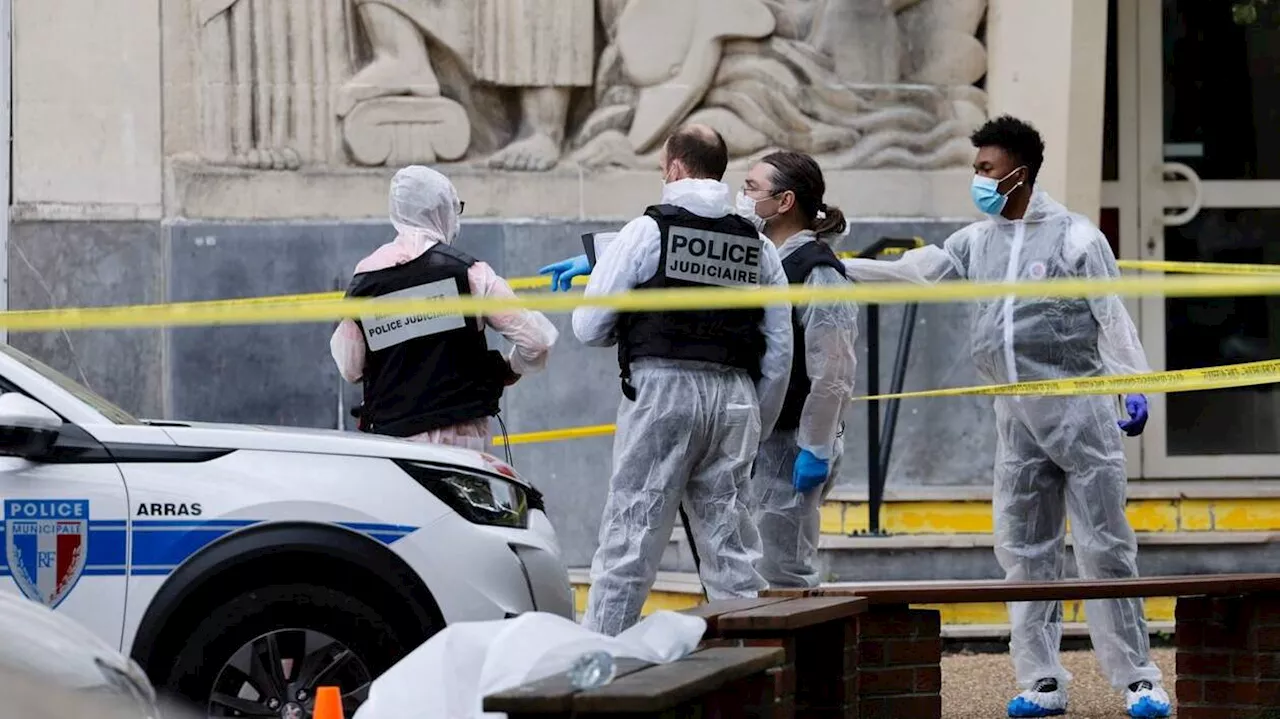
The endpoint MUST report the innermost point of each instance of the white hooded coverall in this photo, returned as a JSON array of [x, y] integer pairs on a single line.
[[691, 433], [1055, 456], [789, 521], [424, 211]]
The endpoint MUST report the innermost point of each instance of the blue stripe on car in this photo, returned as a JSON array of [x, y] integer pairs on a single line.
[[160, 545]]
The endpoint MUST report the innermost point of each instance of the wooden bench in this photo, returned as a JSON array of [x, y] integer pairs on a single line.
[[1227, 630], [823, 675], [720, 682]]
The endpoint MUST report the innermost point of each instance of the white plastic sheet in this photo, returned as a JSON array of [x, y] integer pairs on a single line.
[[449, 676]]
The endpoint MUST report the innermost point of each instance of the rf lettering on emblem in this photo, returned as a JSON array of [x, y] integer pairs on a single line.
[[712, 258]]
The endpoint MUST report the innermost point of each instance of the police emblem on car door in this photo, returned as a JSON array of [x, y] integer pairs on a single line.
[[46, 544]]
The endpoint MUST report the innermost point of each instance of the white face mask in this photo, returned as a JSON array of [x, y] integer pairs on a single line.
[[747, 210]]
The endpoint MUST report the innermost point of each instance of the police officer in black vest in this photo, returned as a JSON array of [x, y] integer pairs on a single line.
[[798, 464], [699, 386], [428, 376]]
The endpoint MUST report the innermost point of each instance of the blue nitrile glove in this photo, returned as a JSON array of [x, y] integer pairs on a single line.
[[563, 272], [1136, 406], [810, 472]]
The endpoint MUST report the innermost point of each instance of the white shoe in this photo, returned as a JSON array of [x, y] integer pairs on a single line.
[[1045, 699], [1144, 700]]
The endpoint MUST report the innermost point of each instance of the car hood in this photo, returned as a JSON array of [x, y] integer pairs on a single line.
[[37, 641], [323, 441]]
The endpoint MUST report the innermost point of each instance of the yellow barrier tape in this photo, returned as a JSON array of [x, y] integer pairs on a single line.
[[543, 282], [267, 311], [556, 435], [1190, 380], [1199, 268], [1186, 380]]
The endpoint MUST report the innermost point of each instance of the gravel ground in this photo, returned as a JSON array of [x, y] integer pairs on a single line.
[[979, 686]]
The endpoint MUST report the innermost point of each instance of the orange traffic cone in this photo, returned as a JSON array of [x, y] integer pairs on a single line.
[[328, 703]]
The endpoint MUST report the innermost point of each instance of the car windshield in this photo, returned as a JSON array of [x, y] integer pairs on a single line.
[[82, 393]]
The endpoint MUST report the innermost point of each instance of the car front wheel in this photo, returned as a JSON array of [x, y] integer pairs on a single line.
[[266, 652]]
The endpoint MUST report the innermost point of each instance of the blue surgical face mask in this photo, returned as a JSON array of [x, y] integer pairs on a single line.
[[986, 193]]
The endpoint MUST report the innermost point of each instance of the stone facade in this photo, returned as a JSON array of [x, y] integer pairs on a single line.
[[244, 148]]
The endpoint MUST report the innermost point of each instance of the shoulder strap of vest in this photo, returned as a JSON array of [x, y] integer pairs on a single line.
[[453, 253], [809, 256]]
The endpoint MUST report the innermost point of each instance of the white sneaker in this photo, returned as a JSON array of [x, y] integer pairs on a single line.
[[1144, 700], [1045, 699]]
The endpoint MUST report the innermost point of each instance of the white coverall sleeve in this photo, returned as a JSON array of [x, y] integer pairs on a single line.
[[830, 331], [530, 333], [1118, 340], [775, 366], [619, 270], [923, 266], [348, 348]]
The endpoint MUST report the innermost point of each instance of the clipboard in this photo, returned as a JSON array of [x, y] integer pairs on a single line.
[[595, 244]]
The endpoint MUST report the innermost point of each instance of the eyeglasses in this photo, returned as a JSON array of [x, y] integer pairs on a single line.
[[461, 206]]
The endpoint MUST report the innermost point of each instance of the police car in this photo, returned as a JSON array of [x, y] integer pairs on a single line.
[[244, 566]]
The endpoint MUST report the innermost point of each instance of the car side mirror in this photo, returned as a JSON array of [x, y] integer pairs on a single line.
[[27, 428]]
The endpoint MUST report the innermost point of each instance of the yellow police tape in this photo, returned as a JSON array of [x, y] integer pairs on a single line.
[[543, 282], [1189, 380], [287, 310]]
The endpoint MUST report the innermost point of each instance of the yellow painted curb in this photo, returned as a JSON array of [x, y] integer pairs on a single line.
[[974, 517], [1159, 609]]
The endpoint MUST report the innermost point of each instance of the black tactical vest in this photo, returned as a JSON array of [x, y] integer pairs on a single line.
[[798, 265], [425, 371], [698, 252]]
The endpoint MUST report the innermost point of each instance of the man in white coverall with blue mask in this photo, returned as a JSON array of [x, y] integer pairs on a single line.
[[701, 387], [1055, 456]]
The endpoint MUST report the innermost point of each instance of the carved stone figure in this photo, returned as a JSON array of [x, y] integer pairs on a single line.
[[803, 85], [266, 68], [540, 49], [860, 83]]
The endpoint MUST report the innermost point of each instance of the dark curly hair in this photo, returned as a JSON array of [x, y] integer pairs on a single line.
[[1016, 137]]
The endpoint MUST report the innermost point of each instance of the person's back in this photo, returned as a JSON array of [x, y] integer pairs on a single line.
[[699, 386], [433, 379]]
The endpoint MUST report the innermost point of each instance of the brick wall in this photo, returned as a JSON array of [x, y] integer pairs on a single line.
[[899, 663], [1228, 657]]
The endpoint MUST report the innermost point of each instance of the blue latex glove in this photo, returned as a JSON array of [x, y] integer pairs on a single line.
[[810, 472], [1136, 406], [563, 272]]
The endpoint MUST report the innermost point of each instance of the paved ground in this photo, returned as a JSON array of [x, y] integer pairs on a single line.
[[979, 686]]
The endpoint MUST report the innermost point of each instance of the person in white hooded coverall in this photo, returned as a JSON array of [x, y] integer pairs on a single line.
[[1055, 456], [424, 211], [688, 429], [798, 463]]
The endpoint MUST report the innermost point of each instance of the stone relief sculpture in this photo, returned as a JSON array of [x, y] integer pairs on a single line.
[[519, 84]]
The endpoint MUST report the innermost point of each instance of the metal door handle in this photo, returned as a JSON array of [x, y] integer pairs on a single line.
[[1197, 189]]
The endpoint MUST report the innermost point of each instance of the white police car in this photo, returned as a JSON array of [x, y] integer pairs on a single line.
[[243, 566]]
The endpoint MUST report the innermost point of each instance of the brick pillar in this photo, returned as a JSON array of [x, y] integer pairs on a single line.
[[900, 663], [1228, 657], [827, 671]]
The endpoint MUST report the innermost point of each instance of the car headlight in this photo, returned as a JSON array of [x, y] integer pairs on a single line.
[[479, 498]]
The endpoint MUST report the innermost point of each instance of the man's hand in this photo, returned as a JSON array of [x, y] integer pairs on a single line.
[[809, 472], [563, 272], [1136, 406]]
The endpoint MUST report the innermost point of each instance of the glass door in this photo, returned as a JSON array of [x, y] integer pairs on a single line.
[[1207, 126]]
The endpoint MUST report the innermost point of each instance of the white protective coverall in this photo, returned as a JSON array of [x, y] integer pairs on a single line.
[[1055, 456], [789, 521], [692, 433], [424, 211]]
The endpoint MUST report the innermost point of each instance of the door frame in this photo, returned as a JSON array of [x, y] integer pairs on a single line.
[[1151, 194]]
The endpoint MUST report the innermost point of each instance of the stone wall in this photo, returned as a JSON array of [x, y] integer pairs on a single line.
[[283, 374], [206, 149]]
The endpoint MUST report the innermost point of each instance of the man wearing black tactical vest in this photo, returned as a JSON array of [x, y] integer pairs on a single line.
[[427, 376], [700, 386], [798, 464]]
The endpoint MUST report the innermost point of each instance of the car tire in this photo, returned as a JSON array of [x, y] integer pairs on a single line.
[[276, 610]]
